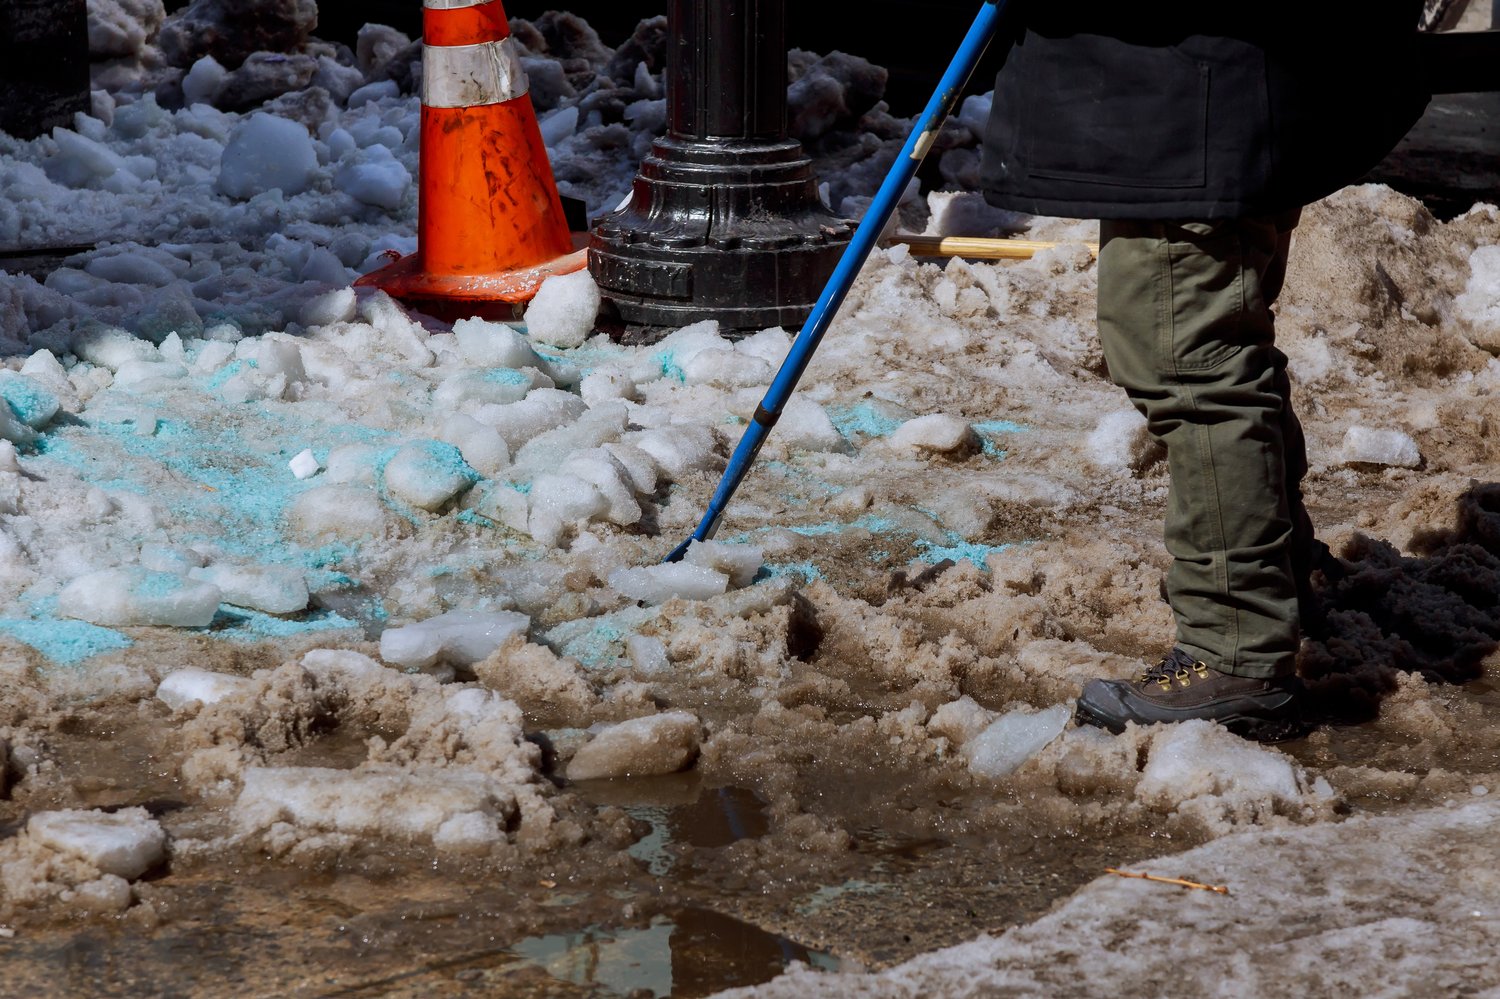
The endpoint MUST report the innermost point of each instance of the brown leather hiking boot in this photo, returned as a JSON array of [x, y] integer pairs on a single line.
[[1180, 688]]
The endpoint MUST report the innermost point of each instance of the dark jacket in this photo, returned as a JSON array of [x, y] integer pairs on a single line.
[[1195, 109]]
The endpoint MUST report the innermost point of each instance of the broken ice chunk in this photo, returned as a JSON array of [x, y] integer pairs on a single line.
[[648, 655], [678, 449], [381, 803], [739, 562], [304, 465], [169, 558], [656, 584], [456, 638], [274, 589], [135, 597], [126, 843], [192, 684], [428, 474], [806, 425], [1198, 759], [938, 433], [1367, 446], [1013, 738], [346, 512], [563, 312], [31, 403], [641, 747]]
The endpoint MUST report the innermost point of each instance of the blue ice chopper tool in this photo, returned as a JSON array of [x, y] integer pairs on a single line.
[[879, 213]]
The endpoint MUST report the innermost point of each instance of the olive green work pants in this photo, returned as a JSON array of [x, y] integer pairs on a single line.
[[1185, 322]]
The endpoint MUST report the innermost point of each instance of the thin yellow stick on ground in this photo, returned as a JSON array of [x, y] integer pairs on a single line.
[[1219, 889], [977, 248]]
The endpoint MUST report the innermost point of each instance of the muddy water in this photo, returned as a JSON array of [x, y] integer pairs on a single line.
[[708, 895]]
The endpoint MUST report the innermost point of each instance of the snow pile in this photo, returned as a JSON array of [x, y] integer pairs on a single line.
[[1419, 939], [460, 768], [1480, 300], [85, 858]]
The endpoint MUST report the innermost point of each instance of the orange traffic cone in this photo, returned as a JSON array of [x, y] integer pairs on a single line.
[[490, 225]]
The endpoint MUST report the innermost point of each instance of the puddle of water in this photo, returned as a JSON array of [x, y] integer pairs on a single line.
[[681, 810], [686, 953]]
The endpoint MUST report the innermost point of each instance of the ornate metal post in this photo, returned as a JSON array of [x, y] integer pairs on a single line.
[[724, 220]]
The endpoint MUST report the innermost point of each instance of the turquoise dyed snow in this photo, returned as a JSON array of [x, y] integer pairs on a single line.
[[63, 641], [245, 625], [29, 401], [506, 376], [863, 419], [670, 368], [804, 571], [958, 550]]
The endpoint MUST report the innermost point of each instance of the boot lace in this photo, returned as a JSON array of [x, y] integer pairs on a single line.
[[1176, 666]]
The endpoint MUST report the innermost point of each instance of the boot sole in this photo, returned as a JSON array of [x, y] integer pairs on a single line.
[[1256, 728]]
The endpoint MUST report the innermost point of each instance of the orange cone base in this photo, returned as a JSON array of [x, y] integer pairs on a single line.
[[481, 294]]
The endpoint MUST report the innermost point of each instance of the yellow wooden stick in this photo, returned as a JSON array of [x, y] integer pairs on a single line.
[[1220, 889], [978, 248]]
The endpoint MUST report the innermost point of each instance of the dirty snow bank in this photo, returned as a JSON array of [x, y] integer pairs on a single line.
[[1310, 912]]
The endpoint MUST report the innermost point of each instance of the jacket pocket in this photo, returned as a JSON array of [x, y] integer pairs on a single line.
[[1104, 111]]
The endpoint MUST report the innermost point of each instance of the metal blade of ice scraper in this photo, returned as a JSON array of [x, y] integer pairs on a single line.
[[865, 237]]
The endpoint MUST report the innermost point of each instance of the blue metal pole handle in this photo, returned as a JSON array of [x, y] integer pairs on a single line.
[[858, 251]]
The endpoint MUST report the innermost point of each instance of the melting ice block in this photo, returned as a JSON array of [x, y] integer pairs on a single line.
[[274, 589], [1367, 446], [192, 684], [739, 562], [564, 310], [641, 747], [267, 152], [455, 638], [428, 474], [939, 433], [135, 597], [656, 584], [1013, 738], [452, 808], [1198, 759], [126, 843]]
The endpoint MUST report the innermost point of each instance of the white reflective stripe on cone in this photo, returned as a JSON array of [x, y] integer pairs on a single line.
[[453, 4], [466, 76]]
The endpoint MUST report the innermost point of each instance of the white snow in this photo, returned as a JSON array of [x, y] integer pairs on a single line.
[[655, 584], [428, 474], [940, 433], [1372, 446], [739, 562], [135, 597], [454, 638], [1480, 300], [126, 843], [275, 589], [1120, 442], [563, 312], [304, 465], [185, 686], [265, 153]]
